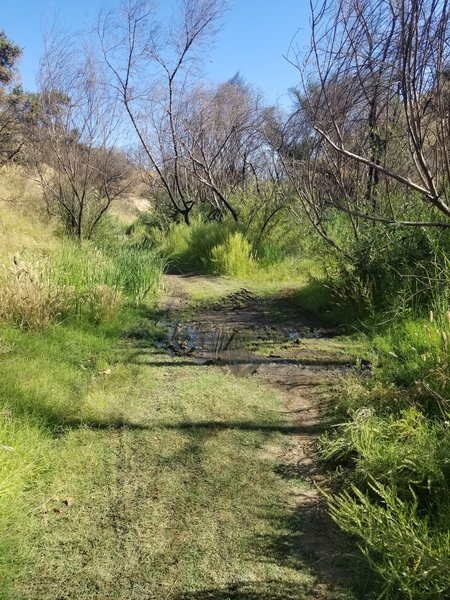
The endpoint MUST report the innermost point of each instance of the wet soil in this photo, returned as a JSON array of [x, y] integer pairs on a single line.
[[271, 339]]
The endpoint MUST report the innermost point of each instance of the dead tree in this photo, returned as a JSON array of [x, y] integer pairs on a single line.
[[220, 136], [75, 140], [152, 68], [375, 89]]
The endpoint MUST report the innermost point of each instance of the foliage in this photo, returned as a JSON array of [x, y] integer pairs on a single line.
[[84, 281], [233, 257], [392, 450], [191, 246], [395, 269], [409, 553], [9, 54], [30, 299], [134, 271]]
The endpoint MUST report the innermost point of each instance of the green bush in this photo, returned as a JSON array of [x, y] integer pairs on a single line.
[[394, 270], [392, 453], [233, 257], [409, 554], [406, 452], [190, 247]]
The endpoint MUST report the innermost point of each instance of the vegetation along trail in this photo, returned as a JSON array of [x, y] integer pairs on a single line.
[[197, 481]]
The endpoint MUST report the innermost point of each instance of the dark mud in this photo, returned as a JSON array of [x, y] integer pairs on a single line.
[[245, 334]]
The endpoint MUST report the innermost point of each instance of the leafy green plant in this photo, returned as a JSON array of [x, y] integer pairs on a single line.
[[408, 553], [233, 257], [405, 451], [191, 246]]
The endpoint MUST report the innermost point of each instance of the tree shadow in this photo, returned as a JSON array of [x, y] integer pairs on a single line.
[[304, 537], [57, 419], [310, 540], [202, 426], [253, 590]]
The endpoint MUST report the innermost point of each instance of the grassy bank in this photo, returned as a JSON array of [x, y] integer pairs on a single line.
[[391, 453]]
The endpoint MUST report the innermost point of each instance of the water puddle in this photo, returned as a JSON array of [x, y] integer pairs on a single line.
[[235, 350]]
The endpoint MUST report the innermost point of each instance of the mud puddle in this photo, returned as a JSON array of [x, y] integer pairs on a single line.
[[236, 351]]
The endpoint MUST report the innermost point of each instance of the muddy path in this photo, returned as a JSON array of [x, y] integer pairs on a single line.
[[268, 338]]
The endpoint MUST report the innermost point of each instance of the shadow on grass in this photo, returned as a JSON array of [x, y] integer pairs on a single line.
[[265, 590], [309, 540], [304, 539], [244, 426], [138, 358]]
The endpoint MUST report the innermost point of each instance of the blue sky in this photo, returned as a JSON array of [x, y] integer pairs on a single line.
[[254, 37]]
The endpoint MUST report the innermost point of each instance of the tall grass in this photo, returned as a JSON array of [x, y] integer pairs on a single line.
[[134, 271], [78, 281], [221, 249], [30, 298], [233, 257], [392, 450], [190, 247]]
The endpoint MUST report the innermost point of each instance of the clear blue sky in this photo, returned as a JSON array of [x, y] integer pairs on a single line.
[[255, 35]]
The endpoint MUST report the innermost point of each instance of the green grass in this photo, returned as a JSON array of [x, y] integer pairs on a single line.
[[224, 249], [169, 470], [173, 489], [392, 451]]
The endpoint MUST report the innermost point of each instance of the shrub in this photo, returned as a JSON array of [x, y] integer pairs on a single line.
[[233, 257], [191, 246], [408, 553], [394, 270], [407, 451]]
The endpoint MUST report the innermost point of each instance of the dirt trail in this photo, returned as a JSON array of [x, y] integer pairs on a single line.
[[268, 338], [187, 482]]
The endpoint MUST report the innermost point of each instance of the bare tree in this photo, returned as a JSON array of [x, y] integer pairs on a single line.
[[152, 68], [75, 141], [220, 135], [375, 91]]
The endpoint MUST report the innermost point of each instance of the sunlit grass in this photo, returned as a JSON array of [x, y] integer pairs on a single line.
[[172, 490]]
